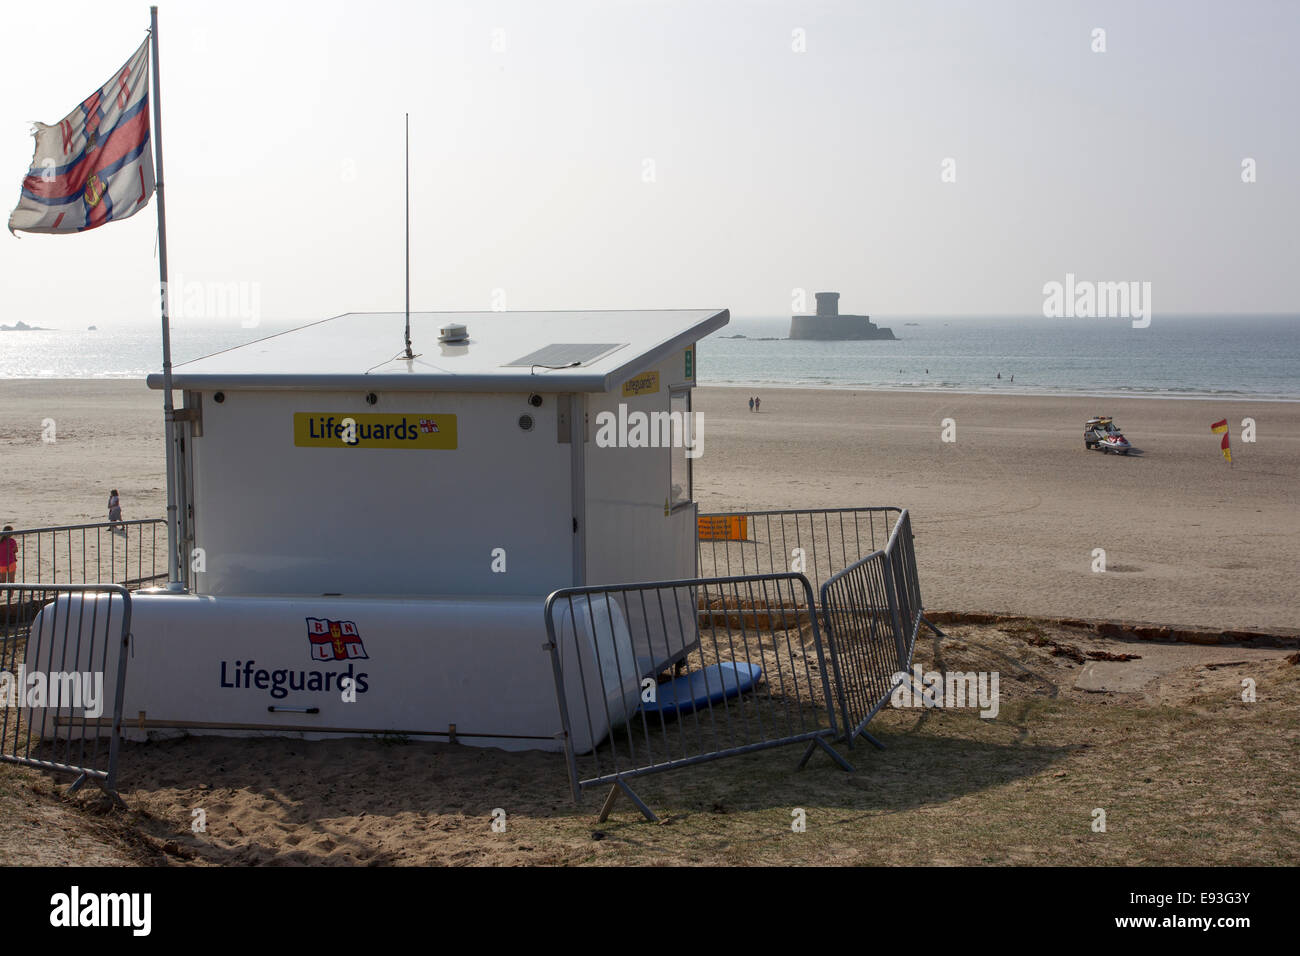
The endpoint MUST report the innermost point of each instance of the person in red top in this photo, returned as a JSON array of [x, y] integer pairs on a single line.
[[8, 556]]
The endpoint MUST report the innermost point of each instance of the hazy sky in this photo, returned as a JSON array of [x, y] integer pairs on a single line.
[[772, 169]]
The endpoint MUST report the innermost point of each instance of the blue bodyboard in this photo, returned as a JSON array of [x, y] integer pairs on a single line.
[[710, 685]]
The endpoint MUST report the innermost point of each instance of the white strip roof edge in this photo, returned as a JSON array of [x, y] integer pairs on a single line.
[[558, 380]]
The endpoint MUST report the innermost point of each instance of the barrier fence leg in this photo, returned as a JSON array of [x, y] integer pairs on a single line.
[[861, 729], [862, 732], [917, 688], [834, 755], [608, 805], [936, 649]]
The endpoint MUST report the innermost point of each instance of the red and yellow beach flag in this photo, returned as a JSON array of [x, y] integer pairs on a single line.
[[1221, 428]]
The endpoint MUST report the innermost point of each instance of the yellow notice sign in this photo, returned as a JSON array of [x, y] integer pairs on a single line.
[[723, 528], [343, 430], [647, 383]]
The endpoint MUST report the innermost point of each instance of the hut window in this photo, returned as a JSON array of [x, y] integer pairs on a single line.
[[680, 478]]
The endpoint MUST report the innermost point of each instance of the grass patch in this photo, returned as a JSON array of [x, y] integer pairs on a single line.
[[1186, 772]]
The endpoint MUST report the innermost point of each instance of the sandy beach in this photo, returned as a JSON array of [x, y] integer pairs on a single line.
[[1007, 516]]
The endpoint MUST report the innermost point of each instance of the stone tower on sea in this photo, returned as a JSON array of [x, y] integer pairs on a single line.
[[830, 325]]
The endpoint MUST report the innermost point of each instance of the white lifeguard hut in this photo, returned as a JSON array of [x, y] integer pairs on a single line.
[[369, 539]]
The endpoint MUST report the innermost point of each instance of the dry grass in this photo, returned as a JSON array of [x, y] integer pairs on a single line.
[[1187, 773]]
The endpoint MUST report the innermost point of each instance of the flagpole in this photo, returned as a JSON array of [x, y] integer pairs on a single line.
[[169, 412]]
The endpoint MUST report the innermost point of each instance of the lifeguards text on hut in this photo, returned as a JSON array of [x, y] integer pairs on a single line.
[[352, 432], [246, 675]]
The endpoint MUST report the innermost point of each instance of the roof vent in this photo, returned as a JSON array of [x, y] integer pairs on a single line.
[[453, 333]]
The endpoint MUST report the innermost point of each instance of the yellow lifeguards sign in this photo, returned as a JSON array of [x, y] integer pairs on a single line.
[[343, 430], [723, 528], [647, 383]]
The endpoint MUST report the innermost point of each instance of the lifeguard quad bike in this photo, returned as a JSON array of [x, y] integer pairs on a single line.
[[1102, 433]]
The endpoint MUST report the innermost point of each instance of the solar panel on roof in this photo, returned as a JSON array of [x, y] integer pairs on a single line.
[[568, 354]]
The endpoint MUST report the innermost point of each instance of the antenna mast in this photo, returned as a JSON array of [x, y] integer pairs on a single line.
[[409, 356]]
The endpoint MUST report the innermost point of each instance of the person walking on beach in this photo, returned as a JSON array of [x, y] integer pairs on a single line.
[[114, 508], [8, 556], [751, 403], [757, 402]]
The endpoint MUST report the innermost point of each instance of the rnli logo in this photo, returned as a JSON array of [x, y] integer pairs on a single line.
[[334, 640], [94, 189]]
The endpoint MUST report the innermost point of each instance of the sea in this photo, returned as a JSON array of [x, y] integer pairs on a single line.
[[1183, 356]]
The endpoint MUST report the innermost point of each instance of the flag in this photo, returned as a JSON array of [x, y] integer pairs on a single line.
[[94, 166], [1221, 428], [334, 640]]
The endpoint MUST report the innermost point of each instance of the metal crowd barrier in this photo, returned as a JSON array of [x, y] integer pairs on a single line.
[[51, 706], [651, 677], [901, 550], [130, 553], [816, 542], [873, 614]]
